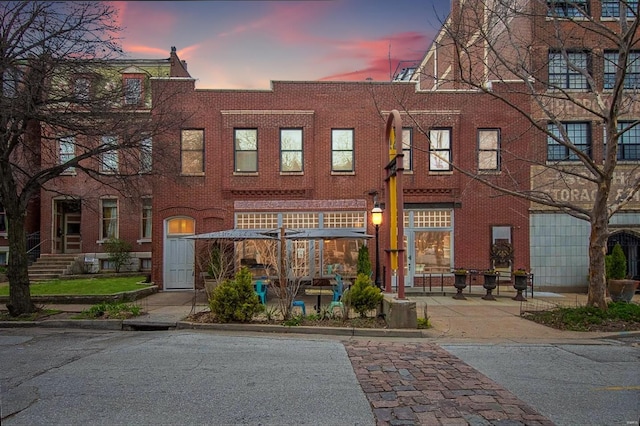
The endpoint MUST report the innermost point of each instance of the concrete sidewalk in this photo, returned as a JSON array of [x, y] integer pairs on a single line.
[[452, 320]]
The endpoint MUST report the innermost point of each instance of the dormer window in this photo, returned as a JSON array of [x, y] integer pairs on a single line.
[[81, 87], [132, 90]]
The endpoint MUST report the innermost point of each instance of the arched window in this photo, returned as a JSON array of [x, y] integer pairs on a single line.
[[181, 226]]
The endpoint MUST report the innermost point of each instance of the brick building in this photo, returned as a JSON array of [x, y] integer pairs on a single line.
[[312, 154], [309, 154]]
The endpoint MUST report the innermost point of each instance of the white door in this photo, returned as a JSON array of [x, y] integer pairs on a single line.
[[178, 256]]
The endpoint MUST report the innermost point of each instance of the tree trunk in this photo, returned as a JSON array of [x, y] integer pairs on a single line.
[[17, 268], [597, 252]]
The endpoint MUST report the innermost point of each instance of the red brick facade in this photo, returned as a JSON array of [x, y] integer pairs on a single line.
[[317, 108]]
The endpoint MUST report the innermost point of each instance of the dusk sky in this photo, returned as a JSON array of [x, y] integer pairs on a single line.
[[247, 44]]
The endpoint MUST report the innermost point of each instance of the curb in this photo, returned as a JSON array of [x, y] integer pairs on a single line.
[[283, 329], [142, 325]]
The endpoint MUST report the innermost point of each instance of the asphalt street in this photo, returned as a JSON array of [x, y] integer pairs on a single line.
[[91, 377], [58, 376], [571, 384]]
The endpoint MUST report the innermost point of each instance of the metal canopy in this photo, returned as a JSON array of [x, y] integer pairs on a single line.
[[274, 234]]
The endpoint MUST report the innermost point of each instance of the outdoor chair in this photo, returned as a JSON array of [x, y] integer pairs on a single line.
[[299, 304], [338, 288], [334, 305], [261, 291]]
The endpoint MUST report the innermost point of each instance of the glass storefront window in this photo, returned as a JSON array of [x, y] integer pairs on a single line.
[[433, 251]]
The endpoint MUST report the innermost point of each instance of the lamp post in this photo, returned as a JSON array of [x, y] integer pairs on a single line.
[[376, 219]]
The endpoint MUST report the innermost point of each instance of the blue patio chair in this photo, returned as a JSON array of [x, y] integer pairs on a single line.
[[299, 304], [261, 291], [337, 289]]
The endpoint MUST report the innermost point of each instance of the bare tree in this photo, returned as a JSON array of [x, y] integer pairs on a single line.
[[288, 261], [55, 60], [566, 64]]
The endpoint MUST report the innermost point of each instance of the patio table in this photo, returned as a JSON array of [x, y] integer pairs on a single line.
[[319, 291]]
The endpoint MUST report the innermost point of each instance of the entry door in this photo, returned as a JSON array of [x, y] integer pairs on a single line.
[[179, 263], [72, 239]]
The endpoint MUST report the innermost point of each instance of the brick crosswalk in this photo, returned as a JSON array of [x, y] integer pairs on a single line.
[[422, 384]]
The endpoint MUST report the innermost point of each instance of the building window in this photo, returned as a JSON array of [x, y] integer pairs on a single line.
[[439, 150], [489, 149], [611, 8], [565, 70], [342, 150], [291, 150], [81, 88], [109, 228], [245, 143], [145, 155], [145, 264], [629, 141], [631, 79], [3, 221], [67, 146], [192, 152], [132, 91], [432, 240], [407, 147], [568, 8], [181, 226], [578, 134], [146, 218], [110, 157], [3, 257]]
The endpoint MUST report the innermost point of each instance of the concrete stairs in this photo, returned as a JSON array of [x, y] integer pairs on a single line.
[[51, 266]]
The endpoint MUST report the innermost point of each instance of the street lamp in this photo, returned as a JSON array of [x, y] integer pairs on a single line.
[[376, 219]]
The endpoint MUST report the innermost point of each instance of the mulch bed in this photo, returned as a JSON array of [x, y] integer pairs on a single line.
[[369, 322]]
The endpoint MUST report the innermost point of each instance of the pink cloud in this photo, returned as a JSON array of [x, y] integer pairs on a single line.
[[379, 57], [286, 22], [145, 50]]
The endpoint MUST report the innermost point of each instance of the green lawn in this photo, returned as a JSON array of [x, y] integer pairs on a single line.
[[85, 286]]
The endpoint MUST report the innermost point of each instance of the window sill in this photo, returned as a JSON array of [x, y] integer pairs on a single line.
[[69, 173], [489, 172], [568, 90], [563, 163], [350, 173], [614, 18], [199, 174], [245, 173], [566, 18], [143, 240], [442, 173]]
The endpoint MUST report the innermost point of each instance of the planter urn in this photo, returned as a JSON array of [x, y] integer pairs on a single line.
[[490, 283], [622, 290], [460, 284], [520, 284]]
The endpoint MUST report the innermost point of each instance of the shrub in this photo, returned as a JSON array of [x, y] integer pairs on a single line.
[[363, 296], [119, 252], [235, 300], [364, 263], [616, 264]]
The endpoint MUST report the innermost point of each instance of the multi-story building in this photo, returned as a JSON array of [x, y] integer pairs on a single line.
[[565, 57], [78, 213], [312, 154]]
